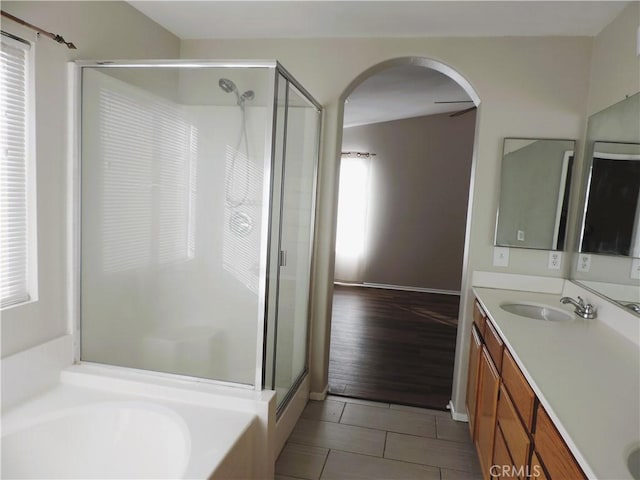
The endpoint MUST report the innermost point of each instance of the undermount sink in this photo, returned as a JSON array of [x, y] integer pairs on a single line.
[[633, 463], [537, 312]]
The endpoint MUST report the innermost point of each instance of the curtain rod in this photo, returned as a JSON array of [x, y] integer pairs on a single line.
[[358, 154], [13, 37], [52, 36]]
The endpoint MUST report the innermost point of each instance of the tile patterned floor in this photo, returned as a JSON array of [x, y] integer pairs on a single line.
[[344, 438]]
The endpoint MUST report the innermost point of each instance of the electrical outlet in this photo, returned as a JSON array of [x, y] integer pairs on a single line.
[[584, 262], [555, 260], [500, 256], [635, 268], [521, 235]]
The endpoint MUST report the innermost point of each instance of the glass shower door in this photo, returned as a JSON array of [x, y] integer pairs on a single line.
[[297, 171]]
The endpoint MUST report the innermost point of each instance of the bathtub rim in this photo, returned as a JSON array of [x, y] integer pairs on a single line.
[[257, 408]]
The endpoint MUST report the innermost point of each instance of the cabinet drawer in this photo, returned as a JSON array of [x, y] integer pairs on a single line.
[[536, 470], [479, 318], [515, 435], [494, 345], [553, 451], [519, 389], [502, 465]]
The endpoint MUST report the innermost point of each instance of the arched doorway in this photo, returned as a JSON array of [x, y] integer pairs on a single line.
[[374, 328]]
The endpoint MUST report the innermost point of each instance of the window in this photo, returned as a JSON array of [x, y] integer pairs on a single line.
[[17, 176], [353, 207]]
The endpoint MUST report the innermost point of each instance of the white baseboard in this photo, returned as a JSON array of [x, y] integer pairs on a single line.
[[400, 287], [457, 416], [319, 396]]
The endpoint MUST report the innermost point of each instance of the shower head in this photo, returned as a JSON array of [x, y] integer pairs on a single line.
[[227, 85], [248, 95]]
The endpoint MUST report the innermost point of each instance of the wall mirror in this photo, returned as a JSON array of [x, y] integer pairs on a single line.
[[609, 225], [534, 193], [611, 216]]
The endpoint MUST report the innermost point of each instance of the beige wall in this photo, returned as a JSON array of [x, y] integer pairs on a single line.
[[529, 87], [418, 205], [615, 64], [100, 30]]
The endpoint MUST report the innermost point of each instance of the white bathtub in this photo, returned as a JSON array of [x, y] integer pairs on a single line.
[[99, 440], [93, 425]]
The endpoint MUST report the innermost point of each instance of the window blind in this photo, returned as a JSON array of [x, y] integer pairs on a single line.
[[14, 174], [147, 151]]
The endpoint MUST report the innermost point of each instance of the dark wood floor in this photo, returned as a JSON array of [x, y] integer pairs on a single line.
[[393, 346]]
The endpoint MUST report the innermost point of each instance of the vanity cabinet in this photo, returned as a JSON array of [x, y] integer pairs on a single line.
[[510, 429]]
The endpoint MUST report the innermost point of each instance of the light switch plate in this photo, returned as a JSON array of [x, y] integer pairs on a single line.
[[555, 260], [584, 262], [500, 256], [520, 235], [635, 268]]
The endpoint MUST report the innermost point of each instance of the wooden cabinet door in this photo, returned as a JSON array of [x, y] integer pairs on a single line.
[[553, 451], [472, 379], [514, 433], [489, 383], [502, 467], [536, 469], [519, 389]]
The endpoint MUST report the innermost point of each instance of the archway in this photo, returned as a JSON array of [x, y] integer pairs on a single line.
[[466, 86]]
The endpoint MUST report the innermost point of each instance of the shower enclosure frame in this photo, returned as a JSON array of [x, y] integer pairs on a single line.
[[74, 207]]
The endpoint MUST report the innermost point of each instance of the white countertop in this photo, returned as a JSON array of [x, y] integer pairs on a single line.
[[585, 374]]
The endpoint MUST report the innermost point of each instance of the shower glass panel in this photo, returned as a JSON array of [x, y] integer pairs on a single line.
[[274, 245], [182, 199], [296, 227]]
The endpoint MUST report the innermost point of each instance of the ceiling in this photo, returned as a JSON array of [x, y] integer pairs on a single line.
[[403, 92], [327, 19], [400, 92]]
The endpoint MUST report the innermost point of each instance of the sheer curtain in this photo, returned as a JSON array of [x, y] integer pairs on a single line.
[[353, 203]]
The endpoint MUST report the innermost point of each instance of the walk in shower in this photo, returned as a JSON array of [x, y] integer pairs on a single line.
[[197, 198]]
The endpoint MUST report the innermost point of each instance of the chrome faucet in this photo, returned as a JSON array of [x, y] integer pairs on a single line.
[[633, 306], [582, 310]]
